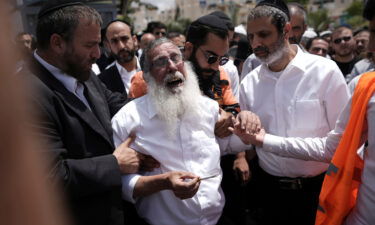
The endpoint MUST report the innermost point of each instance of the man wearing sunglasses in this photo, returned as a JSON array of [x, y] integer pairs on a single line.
[[343, 45]]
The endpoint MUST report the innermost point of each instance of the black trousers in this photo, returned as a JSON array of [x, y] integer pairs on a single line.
[[287, 201]]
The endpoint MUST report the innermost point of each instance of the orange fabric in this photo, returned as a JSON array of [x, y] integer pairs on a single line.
[[339, 191], [138, 88]]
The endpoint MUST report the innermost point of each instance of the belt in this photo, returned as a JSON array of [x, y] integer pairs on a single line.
[[298, 183]]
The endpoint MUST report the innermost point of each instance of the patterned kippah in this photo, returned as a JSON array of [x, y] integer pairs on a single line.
[[279, 4]]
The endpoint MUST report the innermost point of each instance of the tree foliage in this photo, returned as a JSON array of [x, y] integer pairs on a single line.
[[319, 20]]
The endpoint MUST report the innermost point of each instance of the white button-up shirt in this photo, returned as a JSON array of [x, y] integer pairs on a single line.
[[195, 149], [126, 76], [322, 149], [304, 101]]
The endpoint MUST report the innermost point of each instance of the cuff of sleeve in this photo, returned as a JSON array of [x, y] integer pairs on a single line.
[[128, 184], [236, 145], [272, 143]]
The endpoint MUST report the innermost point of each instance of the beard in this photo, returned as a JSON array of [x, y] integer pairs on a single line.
[[76, 66], [171, 104], [274, 53], [201, 72], [124, 55]]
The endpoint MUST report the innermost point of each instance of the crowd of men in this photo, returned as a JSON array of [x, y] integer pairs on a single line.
[[206, 127]]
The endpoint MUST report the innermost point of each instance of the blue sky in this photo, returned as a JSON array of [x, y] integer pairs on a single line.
[[162, 4]]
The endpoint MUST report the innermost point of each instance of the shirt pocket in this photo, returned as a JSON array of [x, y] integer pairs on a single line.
[[307, 116]]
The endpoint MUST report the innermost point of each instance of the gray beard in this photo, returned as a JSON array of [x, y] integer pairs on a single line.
[[277, 54], [171, 106]]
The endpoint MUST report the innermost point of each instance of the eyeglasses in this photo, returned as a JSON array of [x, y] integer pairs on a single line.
[[211, 58], [163, 61], [159, 32], [338, 40]]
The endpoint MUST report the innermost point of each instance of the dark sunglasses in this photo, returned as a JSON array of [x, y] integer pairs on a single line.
[[159, 32], [211, 58], [339, 40]]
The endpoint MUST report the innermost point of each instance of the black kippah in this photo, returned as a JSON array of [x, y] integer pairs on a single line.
[[279, 4], [210, 21], [369, 10], [53, 5], [225, 18]]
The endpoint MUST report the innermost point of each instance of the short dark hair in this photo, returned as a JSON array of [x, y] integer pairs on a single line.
[[310, 41], [64, 22], [151, 26], [114, 21]]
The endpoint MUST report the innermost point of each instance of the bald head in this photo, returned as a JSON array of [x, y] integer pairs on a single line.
[[146, 39]]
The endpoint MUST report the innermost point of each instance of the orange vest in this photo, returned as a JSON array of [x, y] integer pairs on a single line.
[[339, 191], [138, 88]]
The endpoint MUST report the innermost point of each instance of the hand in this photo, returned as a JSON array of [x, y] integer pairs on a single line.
[[131, 161], [241, 168], [248, 138], [183, 184], [221, 126], [247, 122]]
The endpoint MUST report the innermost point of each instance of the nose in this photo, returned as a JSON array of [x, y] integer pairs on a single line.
[[96, 52], [255, 42], [172, 66], [215, 66]]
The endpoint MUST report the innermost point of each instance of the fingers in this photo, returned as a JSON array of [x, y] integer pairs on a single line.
[[130, 140], [148, 163]]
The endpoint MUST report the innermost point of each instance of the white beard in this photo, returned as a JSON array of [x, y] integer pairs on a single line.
[[276, 55], [171, 104]]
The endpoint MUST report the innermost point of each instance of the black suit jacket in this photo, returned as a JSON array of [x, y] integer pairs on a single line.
[[112, 79], [81, 144]]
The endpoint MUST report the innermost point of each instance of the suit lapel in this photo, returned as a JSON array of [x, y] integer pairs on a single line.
[[117, 81], [72, 101]]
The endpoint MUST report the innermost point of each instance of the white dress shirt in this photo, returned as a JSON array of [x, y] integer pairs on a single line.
[[304, 101], [232, 72], [322, 149], [69, 82], [126, 76], [195, 149], [249, 65]]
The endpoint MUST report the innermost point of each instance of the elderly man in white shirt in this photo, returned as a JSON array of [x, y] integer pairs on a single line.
[[295, 94], [175, 124]]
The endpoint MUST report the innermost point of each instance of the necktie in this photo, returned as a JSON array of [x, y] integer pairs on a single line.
[[79, 92]]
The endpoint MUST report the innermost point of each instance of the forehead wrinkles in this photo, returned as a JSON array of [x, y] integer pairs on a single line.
[[165, 49]]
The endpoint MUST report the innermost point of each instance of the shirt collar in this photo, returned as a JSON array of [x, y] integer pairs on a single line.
[[297, 62], [69, 82], [122, 70]]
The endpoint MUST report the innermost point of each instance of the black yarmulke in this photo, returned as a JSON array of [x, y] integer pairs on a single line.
[[210, 21], [224, 17], [279, 4], [52, 5]]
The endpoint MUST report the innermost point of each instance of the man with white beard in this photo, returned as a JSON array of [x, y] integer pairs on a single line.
[[295, 94], [175, 124]]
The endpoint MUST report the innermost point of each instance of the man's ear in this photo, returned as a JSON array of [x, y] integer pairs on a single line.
[[188, 50], [57, 43], [106, 44], [287, 30], [135, 41]]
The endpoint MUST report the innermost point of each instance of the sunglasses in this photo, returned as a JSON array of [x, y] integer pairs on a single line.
[[339, 40], [159, 32], [211, 58]]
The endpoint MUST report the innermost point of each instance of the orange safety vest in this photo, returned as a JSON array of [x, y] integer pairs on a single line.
[[339, 191], [138, 88]]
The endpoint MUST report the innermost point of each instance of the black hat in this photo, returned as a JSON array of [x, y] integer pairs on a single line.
[[225, 18], [53, 5], [369, 10], [279, 4]]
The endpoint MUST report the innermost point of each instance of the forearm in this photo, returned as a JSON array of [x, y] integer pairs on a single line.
[[147, 185]]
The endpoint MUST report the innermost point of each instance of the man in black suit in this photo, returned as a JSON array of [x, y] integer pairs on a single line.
[[75, 110], [120, 40]]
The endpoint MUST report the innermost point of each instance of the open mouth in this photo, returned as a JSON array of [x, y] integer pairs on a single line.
[[175, 82]]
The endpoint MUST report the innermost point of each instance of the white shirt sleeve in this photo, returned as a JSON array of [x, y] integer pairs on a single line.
[[128, 183]]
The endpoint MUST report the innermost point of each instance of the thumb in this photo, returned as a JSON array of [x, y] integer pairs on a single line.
[[128, 141]]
